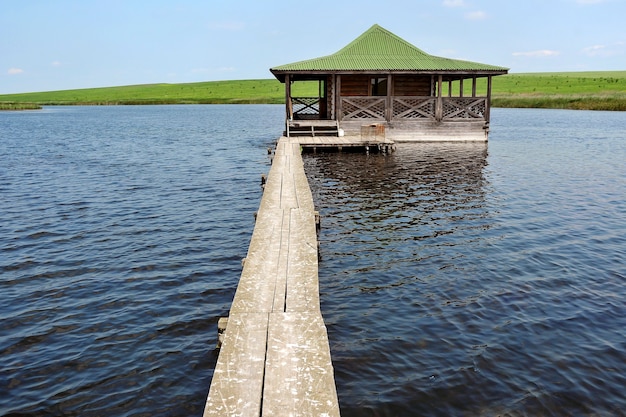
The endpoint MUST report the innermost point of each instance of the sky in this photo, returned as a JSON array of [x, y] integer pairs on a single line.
[[48, 45]]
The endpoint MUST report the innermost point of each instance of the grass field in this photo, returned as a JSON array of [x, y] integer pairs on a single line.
[[572, 90], [246, 91], [604, 90]]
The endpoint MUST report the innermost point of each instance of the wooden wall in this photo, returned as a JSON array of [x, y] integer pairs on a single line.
[[404, 85], [355, 85]]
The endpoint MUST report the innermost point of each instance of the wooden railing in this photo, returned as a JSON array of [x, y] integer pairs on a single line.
[[413, 108], [363, 108], [305, 107], [455, 108]]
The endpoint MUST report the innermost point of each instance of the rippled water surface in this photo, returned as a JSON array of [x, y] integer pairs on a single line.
[[480, 280], [456, 280], [122, 231]]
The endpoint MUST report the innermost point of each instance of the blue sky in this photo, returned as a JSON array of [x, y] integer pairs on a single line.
[[65, 44]]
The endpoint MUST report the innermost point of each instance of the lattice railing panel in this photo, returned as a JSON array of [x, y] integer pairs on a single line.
[[464, 108], [360, 108], [414, 108], [305, 106]]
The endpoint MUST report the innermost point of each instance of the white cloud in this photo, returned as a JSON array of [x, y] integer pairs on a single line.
[[478, 15], [604, 50], [56, 64], [453, 3], [594, 50], [537, 54], [15, 71]]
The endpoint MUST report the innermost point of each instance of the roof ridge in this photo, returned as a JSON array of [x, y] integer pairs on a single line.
[[378, 49], [375, 35]]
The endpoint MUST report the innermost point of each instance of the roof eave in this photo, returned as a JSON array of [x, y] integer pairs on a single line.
[[280, 74]]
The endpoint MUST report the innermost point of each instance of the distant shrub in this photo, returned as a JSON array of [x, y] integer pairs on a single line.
[[19, 106]]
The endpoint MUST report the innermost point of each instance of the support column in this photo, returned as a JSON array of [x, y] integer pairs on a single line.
[[439, 103], [288, 97], [488, 104], [332, 96], [389, 103], [338, 95]]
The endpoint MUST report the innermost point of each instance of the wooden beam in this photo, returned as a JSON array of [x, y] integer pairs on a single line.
[[338, 95], [488, 106], [288, 96], [388, 103], [439, 106]]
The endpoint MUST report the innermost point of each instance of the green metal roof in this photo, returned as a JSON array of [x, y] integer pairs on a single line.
[[377, 49]]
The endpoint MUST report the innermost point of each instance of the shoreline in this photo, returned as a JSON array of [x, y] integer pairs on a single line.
[[536, 102]]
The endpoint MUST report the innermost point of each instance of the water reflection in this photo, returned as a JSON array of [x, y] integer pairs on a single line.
[[421, 191], [400, 237], [457, 281]]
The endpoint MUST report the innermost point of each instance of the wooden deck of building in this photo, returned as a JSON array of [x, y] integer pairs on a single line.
[[379, 144], [275, 357]]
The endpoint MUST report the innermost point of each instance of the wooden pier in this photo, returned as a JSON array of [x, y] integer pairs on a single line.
[[275, 357]]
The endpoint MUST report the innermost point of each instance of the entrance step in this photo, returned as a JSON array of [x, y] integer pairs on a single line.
[[312, 128]]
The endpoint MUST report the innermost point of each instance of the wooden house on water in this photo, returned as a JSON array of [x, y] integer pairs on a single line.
[[382, 81]]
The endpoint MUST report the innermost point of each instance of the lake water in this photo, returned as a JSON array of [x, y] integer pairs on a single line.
[[456, 279]]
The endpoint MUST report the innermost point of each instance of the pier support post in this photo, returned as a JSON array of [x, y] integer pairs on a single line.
[[221, 328], [318, 221]]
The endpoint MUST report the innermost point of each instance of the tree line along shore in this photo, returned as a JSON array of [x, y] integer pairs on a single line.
[[602, 90]]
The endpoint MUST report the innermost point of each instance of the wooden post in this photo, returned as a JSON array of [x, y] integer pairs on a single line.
[[389, 104], [221, 328], [288, 96], [439, 105], [338, 94], [323, 98], [461, 87], [474, 86], [488, 104], [330, 91]]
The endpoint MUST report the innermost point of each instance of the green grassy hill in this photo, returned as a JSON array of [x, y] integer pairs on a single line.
[[246, 91], [604, 90], [574, 90]]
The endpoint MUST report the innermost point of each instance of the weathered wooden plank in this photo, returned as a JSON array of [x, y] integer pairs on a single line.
[[273, 185], [279, 280], [237, 386], [299, 379], [303, 192], [302, 270], [255, 292], [288, 192]]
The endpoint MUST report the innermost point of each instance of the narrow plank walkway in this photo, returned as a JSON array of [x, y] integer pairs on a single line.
[[275, 357]]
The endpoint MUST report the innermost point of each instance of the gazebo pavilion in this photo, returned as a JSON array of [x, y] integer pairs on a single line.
[[382, 80]]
